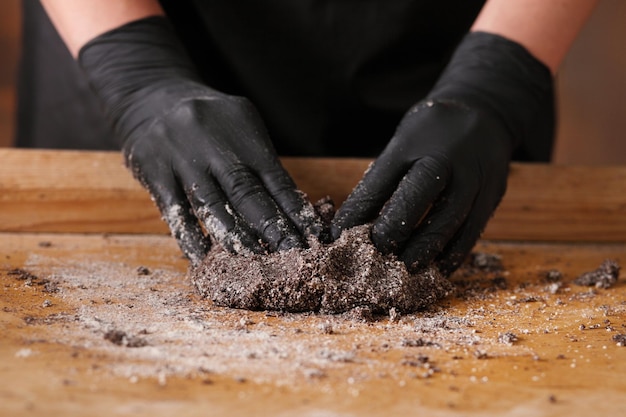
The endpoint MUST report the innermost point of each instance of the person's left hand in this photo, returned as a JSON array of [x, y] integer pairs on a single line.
[[431, 192]]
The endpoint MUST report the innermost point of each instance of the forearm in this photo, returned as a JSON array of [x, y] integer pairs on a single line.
[[79, 21], [546, 28]]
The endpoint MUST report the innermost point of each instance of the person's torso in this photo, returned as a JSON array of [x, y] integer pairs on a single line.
[[329, 77]]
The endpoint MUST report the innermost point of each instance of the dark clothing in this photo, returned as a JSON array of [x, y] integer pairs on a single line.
[[330, 78], [56, 108]]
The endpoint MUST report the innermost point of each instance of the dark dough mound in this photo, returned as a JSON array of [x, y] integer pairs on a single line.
[[333, 278]]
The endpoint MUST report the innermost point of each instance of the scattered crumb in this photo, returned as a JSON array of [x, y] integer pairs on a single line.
[[361, 313], [553, 275], [508, 338], [22, 274], [51, 287], [488, 262], [245, 321], [554, 287], [529, 299], [162, 379], [142, 270], [24, 353], [500, 283], [337, 356], [120, 338], [314, 373], [325, 208], [416, 361], [620, 339], [605, 276], [394, 314], [583, 296], [327, 327], [418, 343], [31, 279], [481, 354]]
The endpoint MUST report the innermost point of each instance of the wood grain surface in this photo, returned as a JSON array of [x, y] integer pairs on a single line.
[[82, 252], [92, 192], [55, 360]]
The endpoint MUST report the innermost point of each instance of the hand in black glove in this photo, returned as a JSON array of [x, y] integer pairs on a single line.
[[203, 155], [435, 186]]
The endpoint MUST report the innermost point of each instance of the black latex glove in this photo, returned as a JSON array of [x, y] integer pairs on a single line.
[[434, 187], [204, 156]]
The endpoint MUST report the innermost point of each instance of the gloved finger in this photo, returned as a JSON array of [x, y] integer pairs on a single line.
[[212, 209], [415, 194], [370, 194], [170, 199], [438, 228], [293, 202], [177, 213], [253, 203], [461, 245]]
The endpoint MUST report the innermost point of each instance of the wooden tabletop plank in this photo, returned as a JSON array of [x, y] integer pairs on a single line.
[[61, 293], [92, 192]]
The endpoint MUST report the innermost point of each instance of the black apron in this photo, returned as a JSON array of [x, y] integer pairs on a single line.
[[330, 78]]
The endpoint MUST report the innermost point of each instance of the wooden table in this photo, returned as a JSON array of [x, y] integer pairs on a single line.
[[83, 252]]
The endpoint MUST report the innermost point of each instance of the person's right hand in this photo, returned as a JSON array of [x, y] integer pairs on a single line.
[[204, 156]]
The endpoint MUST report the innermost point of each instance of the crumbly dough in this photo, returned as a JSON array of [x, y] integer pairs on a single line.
[[334, 278]]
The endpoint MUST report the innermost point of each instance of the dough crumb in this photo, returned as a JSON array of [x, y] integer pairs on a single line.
[[604, 277]]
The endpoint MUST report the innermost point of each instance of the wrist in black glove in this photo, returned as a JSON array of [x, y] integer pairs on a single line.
[[204, 156], [434, 187]]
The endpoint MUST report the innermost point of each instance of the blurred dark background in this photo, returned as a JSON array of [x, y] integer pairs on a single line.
[[9, 53], [591, 86]]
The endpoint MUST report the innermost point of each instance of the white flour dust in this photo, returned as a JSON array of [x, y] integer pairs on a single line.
[[153, 325]]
